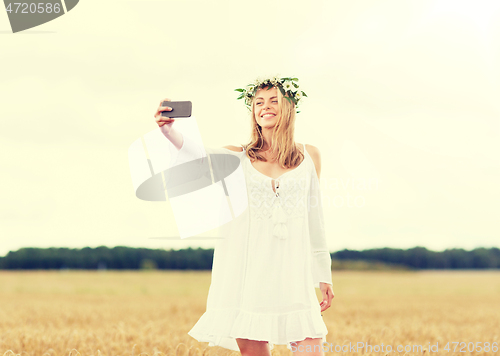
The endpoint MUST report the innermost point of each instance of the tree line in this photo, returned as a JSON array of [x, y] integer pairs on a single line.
[[130, 258]]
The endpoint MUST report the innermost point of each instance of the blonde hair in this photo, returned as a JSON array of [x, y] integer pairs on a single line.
[[282, 138]]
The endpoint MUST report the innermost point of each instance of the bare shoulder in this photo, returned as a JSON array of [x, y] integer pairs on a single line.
[[314, 153], [316, 157], [234, 148]]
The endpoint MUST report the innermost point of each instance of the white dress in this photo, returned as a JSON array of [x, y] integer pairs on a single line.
[[275, 254]]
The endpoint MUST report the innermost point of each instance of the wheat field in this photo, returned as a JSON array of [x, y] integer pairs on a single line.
[[150, 312]]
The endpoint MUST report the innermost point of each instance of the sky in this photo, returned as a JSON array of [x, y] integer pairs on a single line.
[[402, 104]]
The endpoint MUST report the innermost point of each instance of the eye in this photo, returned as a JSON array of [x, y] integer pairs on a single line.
[[258, 103], [275, 101]]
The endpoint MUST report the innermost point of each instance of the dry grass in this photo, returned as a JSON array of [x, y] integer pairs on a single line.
[[133, 313]]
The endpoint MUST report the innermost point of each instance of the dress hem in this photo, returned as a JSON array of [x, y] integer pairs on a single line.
[[221, 327]]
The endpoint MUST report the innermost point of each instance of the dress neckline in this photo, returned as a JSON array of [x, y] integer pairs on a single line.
[[264, 175]]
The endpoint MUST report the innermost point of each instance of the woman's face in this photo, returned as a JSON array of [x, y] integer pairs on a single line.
[[266, 108]]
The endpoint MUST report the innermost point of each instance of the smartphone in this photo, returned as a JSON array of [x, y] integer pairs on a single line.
[[179, 109]]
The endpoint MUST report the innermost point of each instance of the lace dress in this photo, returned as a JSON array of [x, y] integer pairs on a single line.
[[274, 255]]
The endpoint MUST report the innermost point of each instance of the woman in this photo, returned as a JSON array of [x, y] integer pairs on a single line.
[[263, 276]]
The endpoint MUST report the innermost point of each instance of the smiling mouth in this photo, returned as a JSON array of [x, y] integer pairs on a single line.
[[267, 116]]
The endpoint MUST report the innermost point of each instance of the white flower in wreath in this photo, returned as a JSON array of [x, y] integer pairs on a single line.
[[288, 86], [258, 81], [298, 95], [250, 89]]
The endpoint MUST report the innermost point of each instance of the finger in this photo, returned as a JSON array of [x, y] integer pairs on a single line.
[[323, 302], [164, 119], [163, 122], [159, 114], [330, 297], [324, 307], [161, 109]]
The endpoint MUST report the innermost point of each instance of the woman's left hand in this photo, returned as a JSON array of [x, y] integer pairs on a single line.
[[327, 292]]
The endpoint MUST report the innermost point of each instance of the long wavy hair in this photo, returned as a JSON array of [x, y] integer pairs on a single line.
[[282, 138]]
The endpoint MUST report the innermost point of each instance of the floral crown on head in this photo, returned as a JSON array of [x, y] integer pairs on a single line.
[[285, 85]]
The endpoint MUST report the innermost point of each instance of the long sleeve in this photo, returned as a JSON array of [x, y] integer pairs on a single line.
[[191, 150], [205, 186], [190, 166], [321, 259]]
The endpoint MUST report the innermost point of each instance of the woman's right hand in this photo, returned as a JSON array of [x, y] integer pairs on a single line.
[[165, 123]]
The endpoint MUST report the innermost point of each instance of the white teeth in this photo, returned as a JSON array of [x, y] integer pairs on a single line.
[[268, 115]]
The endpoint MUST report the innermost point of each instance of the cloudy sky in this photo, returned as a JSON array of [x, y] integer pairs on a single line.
[[402, 103]]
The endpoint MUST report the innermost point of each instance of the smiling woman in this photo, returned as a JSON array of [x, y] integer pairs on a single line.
[[273, 125], [274, 253]]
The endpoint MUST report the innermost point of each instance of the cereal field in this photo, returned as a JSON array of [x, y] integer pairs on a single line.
[[148, 313]]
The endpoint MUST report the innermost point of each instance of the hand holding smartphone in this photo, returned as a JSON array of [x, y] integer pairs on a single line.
[[168, 111]]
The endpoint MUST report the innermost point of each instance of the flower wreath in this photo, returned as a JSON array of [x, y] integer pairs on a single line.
[[285, 85]]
